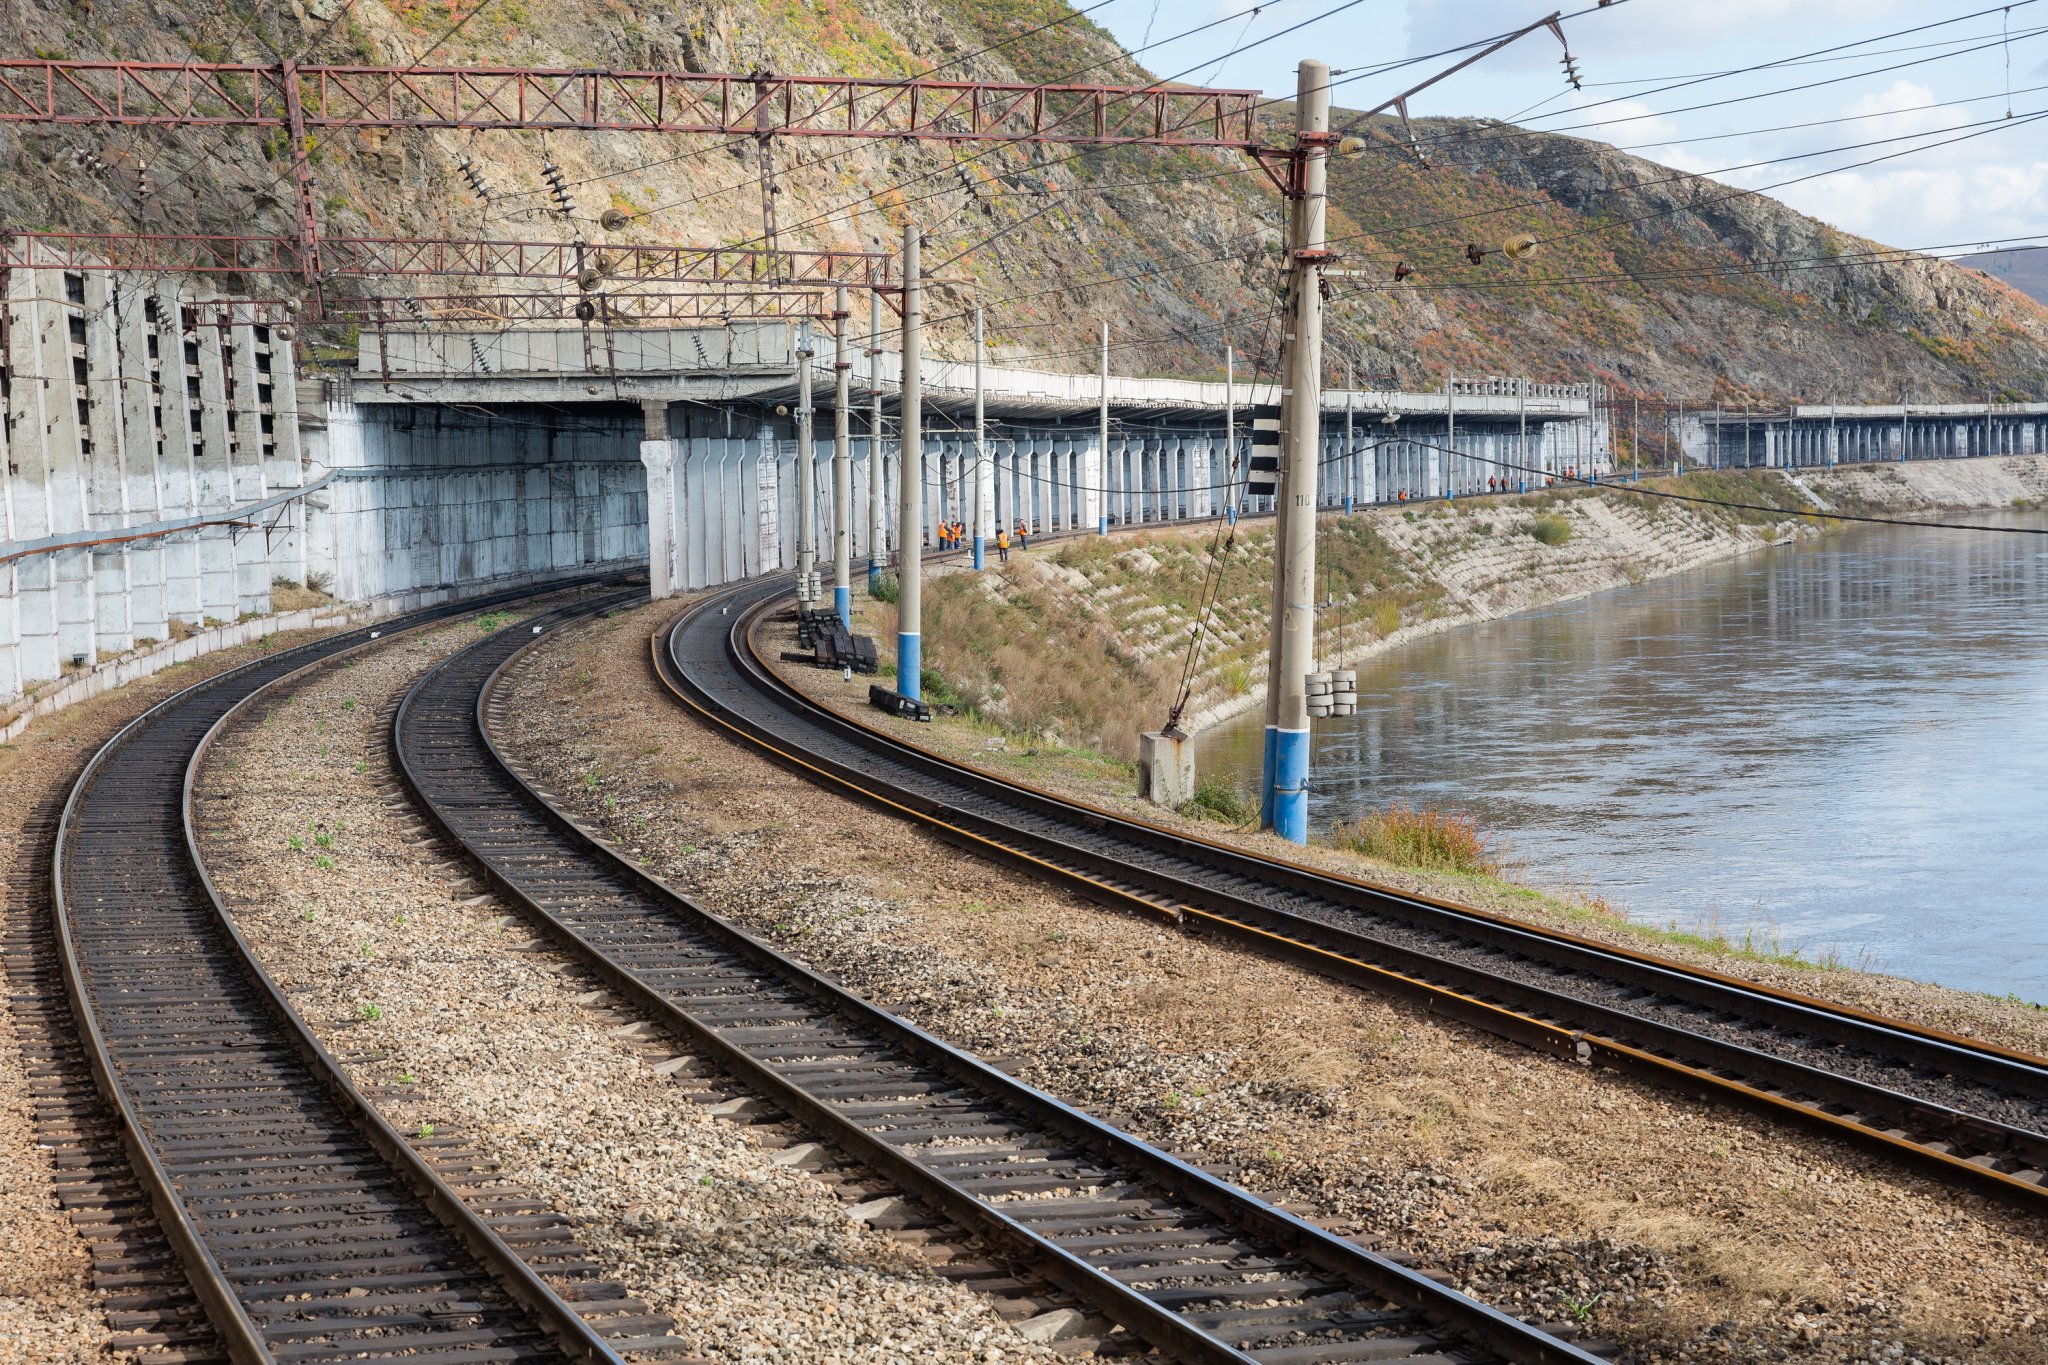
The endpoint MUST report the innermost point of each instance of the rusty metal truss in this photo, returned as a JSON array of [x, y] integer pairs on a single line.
[[288, 95], [709, 307], [590, 267]]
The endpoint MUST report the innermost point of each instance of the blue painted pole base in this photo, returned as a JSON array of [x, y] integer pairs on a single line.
[[1349, 508], [980, 553], [842, 602], [1286, 802], [1266, 783], [1102, 526], [874, 574], [910, 665]]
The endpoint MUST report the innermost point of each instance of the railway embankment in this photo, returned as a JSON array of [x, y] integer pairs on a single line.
[[1083, 642]]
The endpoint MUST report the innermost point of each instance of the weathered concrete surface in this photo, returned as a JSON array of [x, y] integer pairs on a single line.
[[1932, 484]]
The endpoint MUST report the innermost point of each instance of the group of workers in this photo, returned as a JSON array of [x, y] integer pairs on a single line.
[[952, 535], [1500, 485]]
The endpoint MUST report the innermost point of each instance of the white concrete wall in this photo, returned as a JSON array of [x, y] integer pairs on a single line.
[[125, 413], [427, 496]]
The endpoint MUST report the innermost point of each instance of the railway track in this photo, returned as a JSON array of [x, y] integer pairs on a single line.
[[1964, 1111], [307, 1227], [1183, 1261]]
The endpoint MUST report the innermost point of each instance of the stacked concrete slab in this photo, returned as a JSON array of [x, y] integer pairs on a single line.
[[151, 465]]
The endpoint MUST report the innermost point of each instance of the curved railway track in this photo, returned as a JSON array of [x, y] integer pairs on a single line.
[[1962, 1110], [1184, 1261], [309, 1229]]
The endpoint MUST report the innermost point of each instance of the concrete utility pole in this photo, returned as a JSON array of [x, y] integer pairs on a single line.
[[910, 483], [1450, 455], [984, 510], [1285, 807], [1905, 428], [1522, 438], [842, 464], [806, 471], [1102, 434], [1229, 428], [878, 482], [1350, 449], [1635, 437]]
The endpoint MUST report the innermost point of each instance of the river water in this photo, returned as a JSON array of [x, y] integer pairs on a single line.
[[1838, 747]]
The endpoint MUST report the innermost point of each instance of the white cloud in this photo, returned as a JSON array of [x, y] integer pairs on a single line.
[[1669, 30], [1927, 206]]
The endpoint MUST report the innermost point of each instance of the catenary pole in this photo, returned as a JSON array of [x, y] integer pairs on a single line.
[[1294, 568], [984, 511], [878, 467], [1102, 435], [1522, 440], [1229, 430], [806, 470], [910, 482], [842, 464], [1350, 447]]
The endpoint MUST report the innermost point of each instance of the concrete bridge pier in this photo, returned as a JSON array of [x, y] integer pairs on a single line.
[[106, 483]]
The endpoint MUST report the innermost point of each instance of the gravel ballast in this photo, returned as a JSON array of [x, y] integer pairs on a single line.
[[1687, 1232], [50, 1311], [442, 999]]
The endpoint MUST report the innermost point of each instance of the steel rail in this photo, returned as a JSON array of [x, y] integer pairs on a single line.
[[179, 1022], [1343, 927], [662, 951]]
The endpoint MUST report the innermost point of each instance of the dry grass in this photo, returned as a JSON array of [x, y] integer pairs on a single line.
[[1433, 840], [286, 595]]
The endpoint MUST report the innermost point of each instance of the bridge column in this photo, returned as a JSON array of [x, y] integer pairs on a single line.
[[56, 594], [106, 482], [658, 455], [1091, 470]]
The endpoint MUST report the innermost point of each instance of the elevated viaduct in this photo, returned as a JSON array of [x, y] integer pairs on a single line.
[[168, 463]]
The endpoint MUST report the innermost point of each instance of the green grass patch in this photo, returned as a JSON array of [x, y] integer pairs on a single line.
[[1432, 840], [1215, 799], [1548, 530]]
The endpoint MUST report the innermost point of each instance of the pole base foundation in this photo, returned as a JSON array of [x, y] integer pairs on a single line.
[[1166, 769]]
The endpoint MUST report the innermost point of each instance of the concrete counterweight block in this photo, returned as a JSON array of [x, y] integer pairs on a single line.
[[1166, 768]]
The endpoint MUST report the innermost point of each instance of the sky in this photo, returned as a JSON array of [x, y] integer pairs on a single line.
[[1955, 177]]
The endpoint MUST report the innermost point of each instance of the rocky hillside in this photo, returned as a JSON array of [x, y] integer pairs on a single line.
[[2024, 268], [1177, 251]]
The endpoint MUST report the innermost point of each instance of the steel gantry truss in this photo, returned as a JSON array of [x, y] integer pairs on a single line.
[[300, 97], [587, 265], [303, 99]]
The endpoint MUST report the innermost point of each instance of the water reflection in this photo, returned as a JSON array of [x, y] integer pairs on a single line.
[[1844, 742]]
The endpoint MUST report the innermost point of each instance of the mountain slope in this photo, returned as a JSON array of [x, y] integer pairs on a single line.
[[1177, 251], [2025, 269]]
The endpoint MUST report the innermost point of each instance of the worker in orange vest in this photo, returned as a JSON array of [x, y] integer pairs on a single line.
[[1003, 546]]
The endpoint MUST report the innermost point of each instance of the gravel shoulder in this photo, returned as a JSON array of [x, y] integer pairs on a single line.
[[439, 998], [50, 1311], [1685, 1232]]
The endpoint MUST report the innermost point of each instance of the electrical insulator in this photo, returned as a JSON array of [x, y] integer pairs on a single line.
[[558, 188], [611, 220], [476, 353], [1571, 70], [145, 183], [477, 184], [585, 310], [1474, 252], [1518, 246]]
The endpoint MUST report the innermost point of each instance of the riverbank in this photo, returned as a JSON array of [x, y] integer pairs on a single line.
[[1086, 641]]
